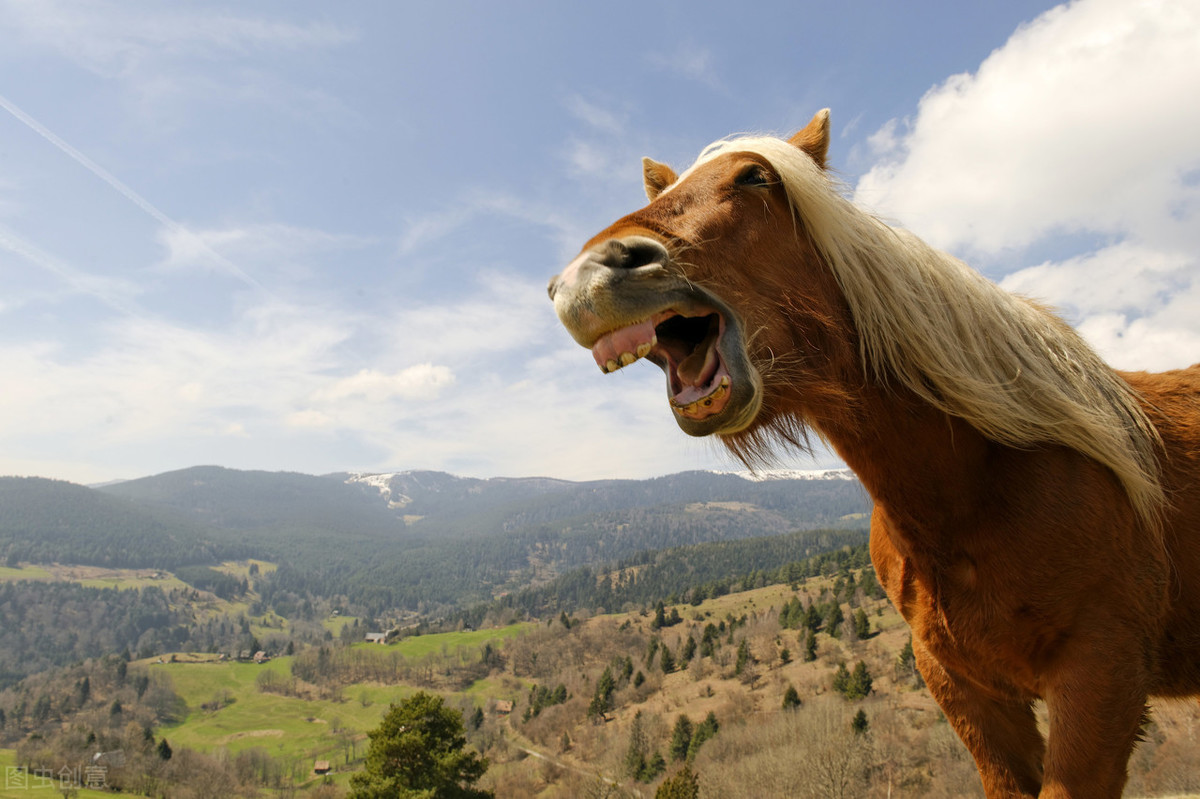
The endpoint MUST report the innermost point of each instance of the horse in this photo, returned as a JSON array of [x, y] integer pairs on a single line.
[[1035, 511]]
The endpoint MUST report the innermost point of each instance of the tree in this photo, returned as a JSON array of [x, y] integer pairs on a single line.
[[791, 698], [853, 686], [688, 651], [859, 723], [666, 661], [418, 751], [681, 737], [163, 750], [704, 730], [833, 620], [683, 785], [810, 647], [862, 625], [743, 657], [602, 699], [635, 755]]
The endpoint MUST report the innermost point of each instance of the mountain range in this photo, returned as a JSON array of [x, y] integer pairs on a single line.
[[406, 538]]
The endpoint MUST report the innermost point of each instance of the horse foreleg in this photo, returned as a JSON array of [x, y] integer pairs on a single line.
[[1001, 735], [1094, 725]]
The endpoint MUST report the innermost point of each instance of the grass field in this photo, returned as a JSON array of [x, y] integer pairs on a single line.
[[419, 646], [27, 572], [293, 727]]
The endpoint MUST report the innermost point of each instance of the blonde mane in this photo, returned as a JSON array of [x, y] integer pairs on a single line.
[[1010, 368]]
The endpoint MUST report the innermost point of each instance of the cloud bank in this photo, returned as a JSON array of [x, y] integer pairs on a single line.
[[1077, 137]]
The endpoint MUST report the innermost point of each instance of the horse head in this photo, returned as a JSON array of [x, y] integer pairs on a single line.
[[717, 282]]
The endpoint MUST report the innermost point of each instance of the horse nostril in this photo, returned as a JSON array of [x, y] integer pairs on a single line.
[[632, 252]]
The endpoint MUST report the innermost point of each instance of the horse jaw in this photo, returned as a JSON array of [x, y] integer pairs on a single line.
[[650, 312]]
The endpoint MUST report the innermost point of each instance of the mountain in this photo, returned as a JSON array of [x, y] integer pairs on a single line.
[[458, 504], [415, 539], [46, 521], [259, 503]]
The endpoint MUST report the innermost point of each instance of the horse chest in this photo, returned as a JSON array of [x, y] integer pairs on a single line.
[[961, 623]]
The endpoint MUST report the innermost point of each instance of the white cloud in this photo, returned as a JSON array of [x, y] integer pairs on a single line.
[[1078, 125], [270, 247], [690, 61], [421, 382], [117, 39], [1079, 122], [595, 115]]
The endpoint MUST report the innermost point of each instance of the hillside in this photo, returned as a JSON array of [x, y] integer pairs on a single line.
[[48, 521], [417, 540], [245, 727]]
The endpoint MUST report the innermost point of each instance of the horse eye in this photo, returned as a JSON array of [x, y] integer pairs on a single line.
[[753, 175]]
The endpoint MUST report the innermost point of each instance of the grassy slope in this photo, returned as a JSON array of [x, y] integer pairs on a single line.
[[294, 727]]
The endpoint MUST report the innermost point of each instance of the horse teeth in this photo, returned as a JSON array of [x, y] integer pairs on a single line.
[[611, 365], [644, 349], [627, 358]]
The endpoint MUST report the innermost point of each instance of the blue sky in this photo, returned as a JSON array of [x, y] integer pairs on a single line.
[[316, 236]]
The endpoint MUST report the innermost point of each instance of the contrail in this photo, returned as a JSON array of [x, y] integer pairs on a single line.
[[128, 193], [86, 284]]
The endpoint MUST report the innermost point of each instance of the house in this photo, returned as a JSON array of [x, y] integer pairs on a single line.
[[116, 758], [377, 638], [504, 706], [261, 657], [322, 767]]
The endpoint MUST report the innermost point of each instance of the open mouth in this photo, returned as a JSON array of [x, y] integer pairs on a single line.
[[686, 347]]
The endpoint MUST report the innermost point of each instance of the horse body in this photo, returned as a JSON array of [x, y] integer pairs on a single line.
[[1039, 548]]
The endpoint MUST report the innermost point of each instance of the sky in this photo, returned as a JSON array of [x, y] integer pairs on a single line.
[[315, 237]]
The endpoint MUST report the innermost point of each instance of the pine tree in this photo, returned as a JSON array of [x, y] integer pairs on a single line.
[[666, 661], [862, 625], [602, 699], [683, 785], [860, 724], [660, 617], [833, 620], [791, 698], [743, 657], [635, 755], [681, 737], [704, 731], [861, 681], [810, 647], [688, 650], [418, 751]]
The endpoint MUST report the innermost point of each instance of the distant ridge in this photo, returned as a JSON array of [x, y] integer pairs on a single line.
[[764, 475]]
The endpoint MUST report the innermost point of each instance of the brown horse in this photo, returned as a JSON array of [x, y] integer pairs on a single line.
[[1036, 513]]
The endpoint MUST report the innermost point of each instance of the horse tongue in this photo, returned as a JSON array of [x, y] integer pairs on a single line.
[[698, 368]]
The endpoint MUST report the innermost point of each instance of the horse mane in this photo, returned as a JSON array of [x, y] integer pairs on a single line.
[[1004, 364]]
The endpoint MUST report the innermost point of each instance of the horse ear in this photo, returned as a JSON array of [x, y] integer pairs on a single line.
[[814, 139], [656, 176]]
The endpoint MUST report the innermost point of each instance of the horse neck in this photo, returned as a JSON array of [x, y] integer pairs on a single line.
[[915, 460]]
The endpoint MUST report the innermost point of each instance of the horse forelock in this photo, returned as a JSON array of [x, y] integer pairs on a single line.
[[1009, 367]]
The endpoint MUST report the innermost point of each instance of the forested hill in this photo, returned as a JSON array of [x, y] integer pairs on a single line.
[[265, 503], [409, 539], [43, 521]]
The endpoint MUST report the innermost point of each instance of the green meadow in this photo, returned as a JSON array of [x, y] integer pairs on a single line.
[[27, 572], [419, 646], [240, 717]]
